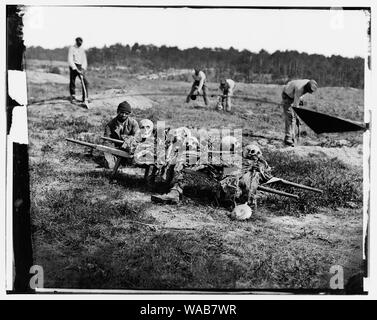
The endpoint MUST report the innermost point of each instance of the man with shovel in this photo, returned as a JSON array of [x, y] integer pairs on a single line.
[[198, 85], [77, 66], [224, 100], [291, 97]]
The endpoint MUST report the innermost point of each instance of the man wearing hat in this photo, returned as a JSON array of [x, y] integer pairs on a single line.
[[77, 66], [291, 97], [198, 85], [121, 128], [227, 88]]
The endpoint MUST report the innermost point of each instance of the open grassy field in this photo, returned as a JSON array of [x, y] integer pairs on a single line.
[[86, 232]]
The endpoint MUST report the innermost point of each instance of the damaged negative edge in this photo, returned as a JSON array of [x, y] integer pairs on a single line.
[[19, 258], [17, 91], [368, 102]]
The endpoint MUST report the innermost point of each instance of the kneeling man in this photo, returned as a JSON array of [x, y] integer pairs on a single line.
[[121, 128]]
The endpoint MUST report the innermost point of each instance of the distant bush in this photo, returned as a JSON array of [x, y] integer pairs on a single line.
[[71, 125], [55, 70]]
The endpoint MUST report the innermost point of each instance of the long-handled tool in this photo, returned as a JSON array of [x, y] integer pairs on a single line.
[[116, 141], [292, 184], [298, 124]]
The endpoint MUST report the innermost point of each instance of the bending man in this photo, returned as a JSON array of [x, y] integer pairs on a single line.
[[198, 85], [291, 97], [227, 88]]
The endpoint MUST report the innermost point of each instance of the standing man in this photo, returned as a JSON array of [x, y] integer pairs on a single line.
[[291, 97], [77, 66], [122, 127], [227, 88], [198, 85]]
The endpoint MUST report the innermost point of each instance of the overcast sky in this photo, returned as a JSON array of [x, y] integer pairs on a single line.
[[313, 31]]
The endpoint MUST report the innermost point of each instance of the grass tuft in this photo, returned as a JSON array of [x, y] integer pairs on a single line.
[[341, 185]]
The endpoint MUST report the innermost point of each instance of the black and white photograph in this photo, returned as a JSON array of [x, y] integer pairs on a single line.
[[188, 148]]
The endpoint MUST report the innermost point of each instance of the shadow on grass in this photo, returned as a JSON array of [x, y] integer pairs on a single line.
[[90, 251], [125, 180], [161, 261]]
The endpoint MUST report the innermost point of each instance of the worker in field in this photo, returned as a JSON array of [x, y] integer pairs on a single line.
[[292, 93], [122, 127], [77, 66], [224, 101], [199, 85]]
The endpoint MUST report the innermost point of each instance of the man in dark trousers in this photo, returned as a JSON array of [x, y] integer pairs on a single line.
[[77, 66], [224, 101], [198, 85], [291, 97]]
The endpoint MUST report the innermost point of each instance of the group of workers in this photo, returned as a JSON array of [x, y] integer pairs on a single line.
[[199, 85], [292, 92], [292, 95]]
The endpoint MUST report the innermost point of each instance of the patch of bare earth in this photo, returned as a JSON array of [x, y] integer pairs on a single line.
[[40, 77], [352, 156]]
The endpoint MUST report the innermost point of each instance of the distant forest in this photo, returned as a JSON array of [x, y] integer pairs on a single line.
[[242, 66]]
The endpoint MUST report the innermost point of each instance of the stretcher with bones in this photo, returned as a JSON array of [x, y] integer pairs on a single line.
[[121, 154]]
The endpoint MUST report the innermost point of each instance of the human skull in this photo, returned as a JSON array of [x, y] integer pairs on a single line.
[[179, 134], [241, 212], [251, 151], [146, 128], [230, 143], [191, 142]]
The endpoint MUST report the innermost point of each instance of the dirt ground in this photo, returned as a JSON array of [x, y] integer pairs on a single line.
[[88, 233]]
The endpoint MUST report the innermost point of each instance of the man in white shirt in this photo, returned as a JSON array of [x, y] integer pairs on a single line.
[[77, 66], [292, 93], [198, 85], [227, 88]]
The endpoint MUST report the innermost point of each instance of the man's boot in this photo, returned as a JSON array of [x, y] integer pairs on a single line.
[[289, 142], [73, 99], [86, 104], [169, 198]]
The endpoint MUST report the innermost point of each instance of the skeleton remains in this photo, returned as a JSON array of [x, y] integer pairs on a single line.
[[205, 163]]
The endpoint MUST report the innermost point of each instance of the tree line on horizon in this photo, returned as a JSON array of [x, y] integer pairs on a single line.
[[242, 66]]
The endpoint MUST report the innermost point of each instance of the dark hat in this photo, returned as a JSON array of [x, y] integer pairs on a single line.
[[79, 39], [124, 107]]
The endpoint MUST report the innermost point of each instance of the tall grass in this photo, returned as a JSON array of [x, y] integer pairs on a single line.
[[341, 184], [71, 125]]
